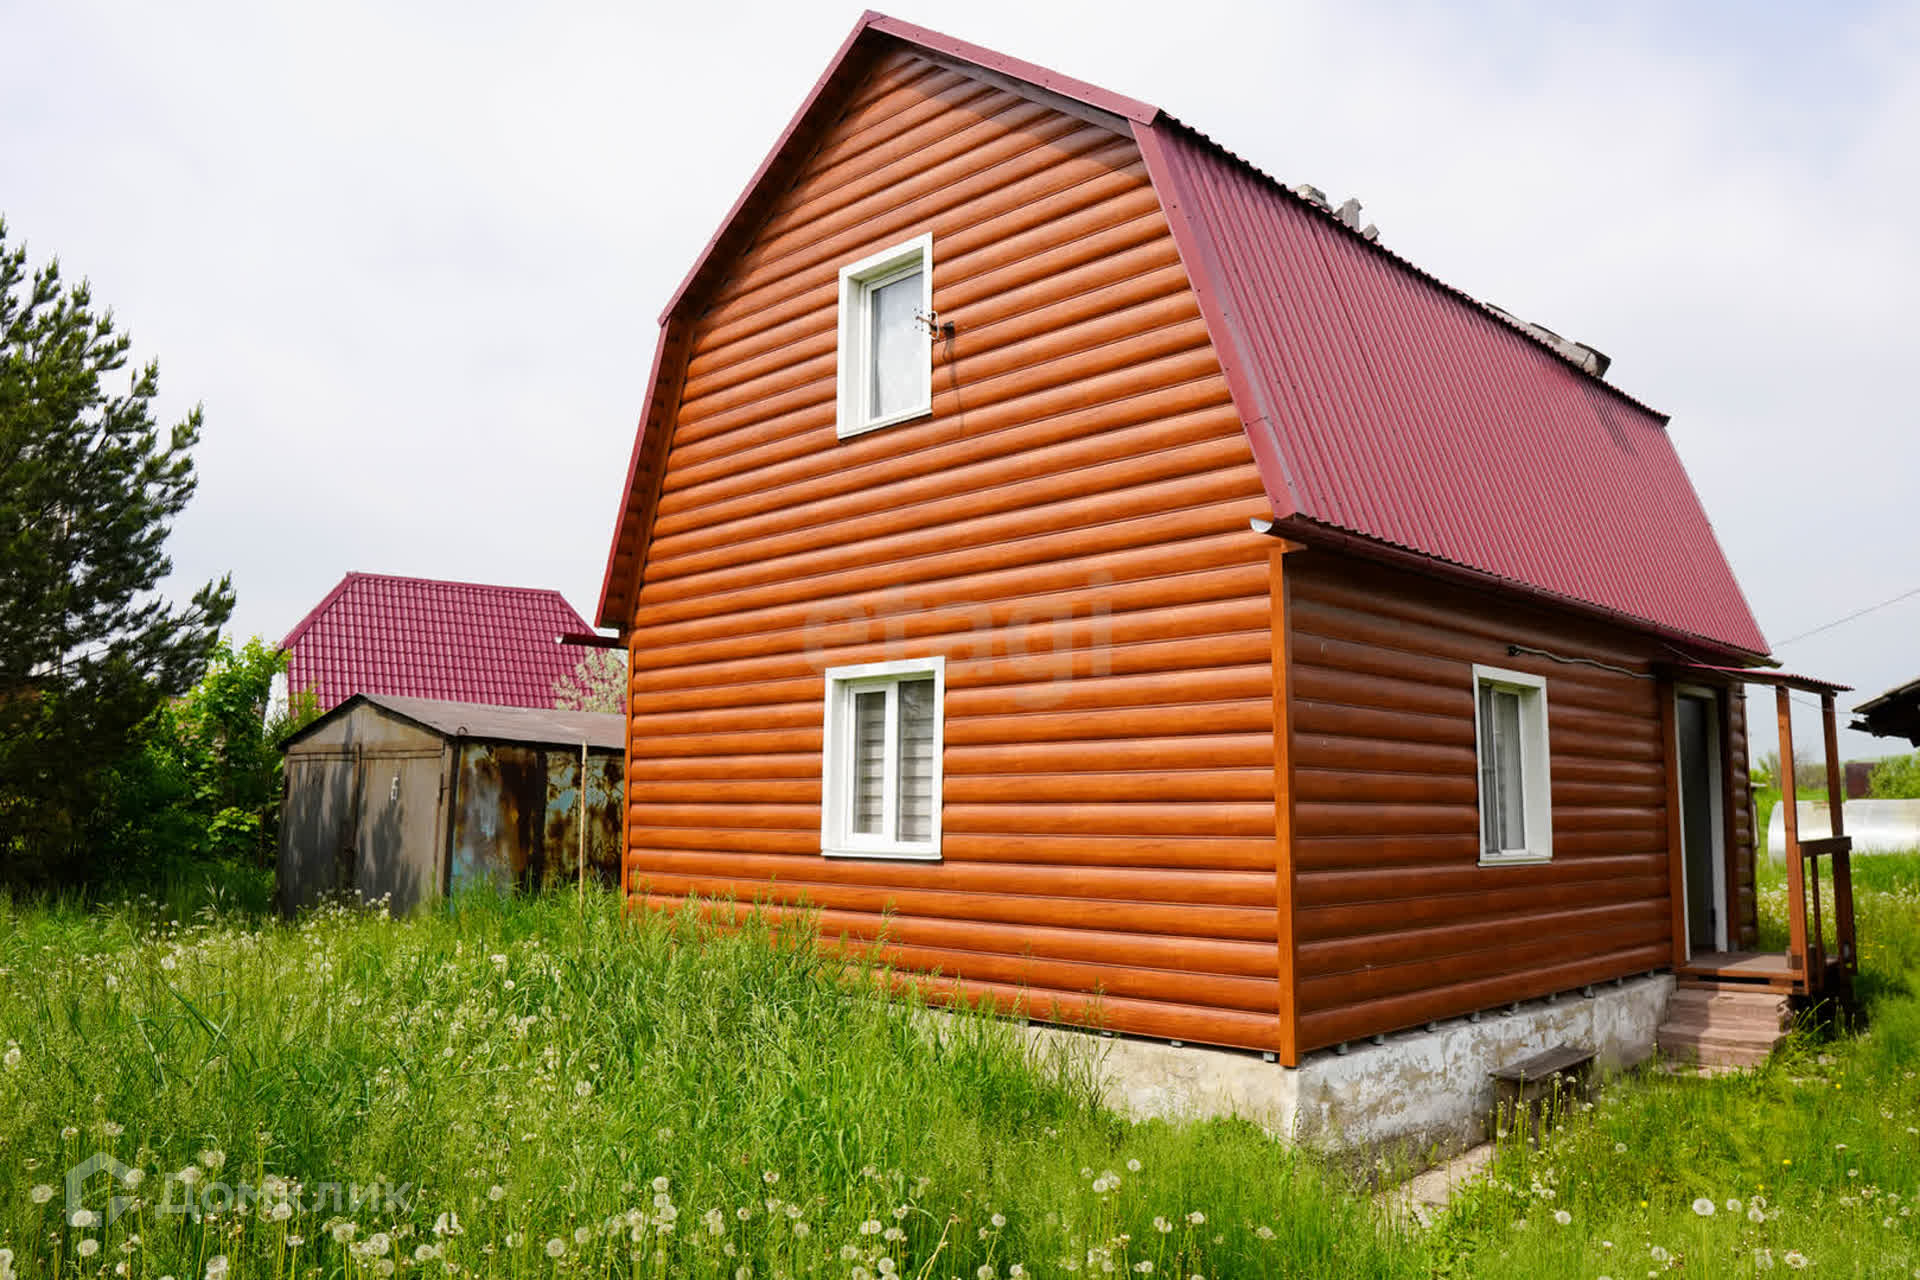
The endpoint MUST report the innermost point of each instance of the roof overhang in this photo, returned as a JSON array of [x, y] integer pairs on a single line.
[[1309, 533], [1762, 675], [1893, 714]]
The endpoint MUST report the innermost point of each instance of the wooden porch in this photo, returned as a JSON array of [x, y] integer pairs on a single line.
[[1811, 966]]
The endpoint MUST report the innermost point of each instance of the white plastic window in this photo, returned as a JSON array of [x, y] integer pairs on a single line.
[[885, 360], [881, 775], [1516, 801]]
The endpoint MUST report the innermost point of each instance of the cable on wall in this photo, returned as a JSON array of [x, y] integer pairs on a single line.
[[1514, 650]]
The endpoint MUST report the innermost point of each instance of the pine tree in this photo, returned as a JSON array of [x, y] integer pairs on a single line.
[[89, 487]]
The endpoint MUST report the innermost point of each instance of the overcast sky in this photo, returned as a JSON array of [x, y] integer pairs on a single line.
[[411, 258]]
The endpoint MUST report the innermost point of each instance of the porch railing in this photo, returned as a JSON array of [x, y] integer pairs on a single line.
[[1816, 971]]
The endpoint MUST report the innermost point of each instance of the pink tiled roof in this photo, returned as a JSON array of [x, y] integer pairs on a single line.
[[1384, 408], [420, 638]]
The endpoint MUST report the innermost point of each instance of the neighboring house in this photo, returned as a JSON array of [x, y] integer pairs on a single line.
[[422, 638], [1062, 550], [408, 799]]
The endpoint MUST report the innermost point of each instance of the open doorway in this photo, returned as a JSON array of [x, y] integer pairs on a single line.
[[1701, 758]]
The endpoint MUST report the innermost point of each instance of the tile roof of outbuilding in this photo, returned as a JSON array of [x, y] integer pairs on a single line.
[[424, 638]]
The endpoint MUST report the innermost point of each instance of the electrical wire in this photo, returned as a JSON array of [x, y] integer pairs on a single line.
[[1858, 613]]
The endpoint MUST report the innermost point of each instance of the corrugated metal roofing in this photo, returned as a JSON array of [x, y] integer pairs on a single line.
[[1380, 402], [1397, 411], [423, 638], [538, 726]]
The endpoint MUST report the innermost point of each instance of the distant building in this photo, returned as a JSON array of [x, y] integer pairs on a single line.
[[422, 638], [409, 799]]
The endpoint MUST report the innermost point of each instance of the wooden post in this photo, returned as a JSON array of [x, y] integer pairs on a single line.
[[1287, 1041], [1842, 856], [1790, 827], [1676, 837]]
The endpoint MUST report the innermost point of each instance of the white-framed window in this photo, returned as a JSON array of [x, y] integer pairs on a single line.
[[1516, 788], [885, 726], [885, 362]]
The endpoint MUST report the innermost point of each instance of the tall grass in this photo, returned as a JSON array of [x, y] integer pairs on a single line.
[[512, 1087], [1811, 1161]]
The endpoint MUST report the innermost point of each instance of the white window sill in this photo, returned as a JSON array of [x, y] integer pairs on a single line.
[[892, 420], [895, 852], [1514, 859]]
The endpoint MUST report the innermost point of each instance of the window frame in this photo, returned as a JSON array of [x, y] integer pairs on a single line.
[[1536, 767], [837, 838], [853, 362]]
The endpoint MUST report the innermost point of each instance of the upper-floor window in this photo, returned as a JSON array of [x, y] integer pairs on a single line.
[[1516, 802], [886, 342]]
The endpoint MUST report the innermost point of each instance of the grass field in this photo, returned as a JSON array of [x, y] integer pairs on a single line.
[[559, 1092], [524, 1088]]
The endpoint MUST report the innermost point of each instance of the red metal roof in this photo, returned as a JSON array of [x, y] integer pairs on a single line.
[[1386, 405], [1380, 403], [421, 638]]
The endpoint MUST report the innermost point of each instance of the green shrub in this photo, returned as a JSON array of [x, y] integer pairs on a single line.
[[1896, 778]]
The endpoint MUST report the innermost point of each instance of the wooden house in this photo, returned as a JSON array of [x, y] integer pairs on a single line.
[[1130, 591]]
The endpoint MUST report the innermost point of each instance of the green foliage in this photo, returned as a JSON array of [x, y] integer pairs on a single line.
[[598, 683], [534, 1065], [88, 489], [1895, 778], [203, 780]]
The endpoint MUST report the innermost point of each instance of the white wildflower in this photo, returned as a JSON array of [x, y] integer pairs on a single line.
[[1704, 1207], [1562, 1217], [87, 1247], [556, 1247]]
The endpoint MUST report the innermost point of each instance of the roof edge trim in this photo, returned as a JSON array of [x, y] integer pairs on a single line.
[[1315, 534]]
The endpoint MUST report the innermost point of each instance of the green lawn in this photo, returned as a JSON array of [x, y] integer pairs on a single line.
[[1812, 1161], [557, 1092], [586, 1097]]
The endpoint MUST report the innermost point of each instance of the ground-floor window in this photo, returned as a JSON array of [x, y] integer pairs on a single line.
[[881, 780], [1510, 731]]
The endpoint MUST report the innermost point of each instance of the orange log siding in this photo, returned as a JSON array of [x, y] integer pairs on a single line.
[[1069, 528], [1396, 922]]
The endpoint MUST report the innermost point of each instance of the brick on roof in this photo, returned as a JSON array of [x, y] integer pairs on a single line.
[[422, 638]]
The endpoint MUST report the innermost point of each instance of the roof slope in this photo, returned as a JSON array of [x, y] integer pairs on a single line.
[[539, 726], [1381, 404], [428, 639]]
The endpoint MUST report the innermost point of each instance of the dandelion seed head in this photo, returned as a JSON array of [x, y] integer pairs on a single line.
[[556, 1247], [1704, 1207]]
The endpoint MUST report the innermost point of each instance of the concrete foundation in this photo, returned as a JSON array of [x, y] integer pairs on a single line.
[[1421, 1088]]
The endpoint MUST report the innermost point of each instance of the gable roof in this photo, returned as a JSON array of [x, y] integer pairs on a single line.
[[1386, 410], [536, 726], [419, 637]]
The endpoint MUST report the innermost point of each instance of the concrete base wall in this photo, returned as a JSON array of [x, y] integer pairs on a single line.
[[1424, 1088]]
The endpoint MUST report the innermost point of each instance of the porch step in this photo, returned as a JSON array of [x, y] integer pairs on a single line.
[[1724, 1026]]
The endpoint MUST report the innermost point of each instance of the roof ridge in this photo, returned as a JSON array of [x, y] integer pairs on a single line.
[[1499, 314]]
